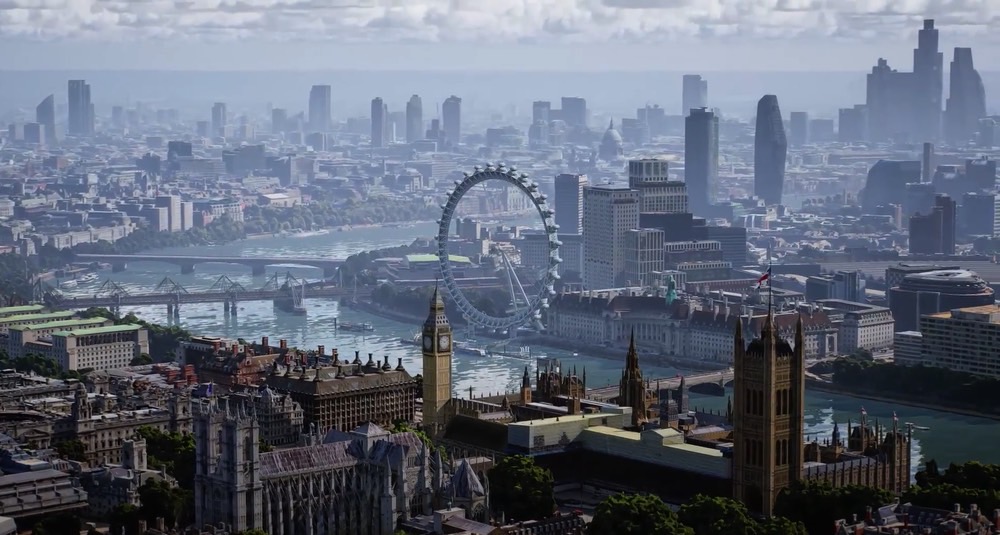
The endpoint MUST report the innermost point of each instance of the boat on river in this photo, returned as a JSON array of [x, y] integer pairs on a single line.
[[355, 327]]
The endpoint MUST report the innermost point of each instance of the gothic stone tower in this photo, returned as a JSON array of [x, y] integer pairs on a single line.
[[437, 365], [228, 486], [768, 428], [631, 389]]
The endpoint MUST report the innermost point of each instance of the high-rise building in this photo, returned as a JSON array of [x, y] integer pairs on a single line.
[[701, 158], [657, 193], [798, 129], [436, 346], [451, 120], [770, 151], [694, 93], [279, 120], [380, 123], [541, 111], [574, 111], [45, 115], [966, 100], [644, 255], [980, 214], [853, 124], [320, 108], [414, 119], [173, 205], [610, 211], [928, 78], [768, 415], [569, 202], [934, 233], [81, 109], [219, 118]]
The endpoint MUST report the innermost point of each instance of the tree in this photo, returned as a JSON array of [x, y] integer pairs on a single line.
[[636, 514], [712, 515], [160, 499], [73, 450], [124, 517], [818, 505], [142, 360], [521, 490], [173, 452], [58, 524], [777, 525]]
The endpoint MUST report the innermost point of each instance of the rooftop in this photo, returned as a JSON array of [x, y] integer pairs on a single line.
[[8, 311], [100, 330], [458, 259], [59, 324], [40, 318]]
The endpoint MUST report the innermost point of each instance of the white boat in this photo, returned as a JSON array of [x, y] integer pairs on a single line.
[[89, 277], [71, 283]]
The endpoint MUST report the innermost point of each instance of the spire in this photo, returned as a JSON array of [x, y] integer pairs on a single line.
[[611, 125], [800, 340], [526, 379], [632, 358], [836, 434], [436, 317]]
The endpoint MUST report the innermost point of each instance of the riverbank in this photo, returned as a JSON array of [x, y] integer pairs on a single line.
[[618, 353], [343, 228], [822, 386]]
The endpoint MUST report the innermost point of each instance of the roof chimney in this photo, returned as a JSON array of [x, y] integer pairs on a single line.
[[236, 349], [321, 350], [283, 344], [264, 342]]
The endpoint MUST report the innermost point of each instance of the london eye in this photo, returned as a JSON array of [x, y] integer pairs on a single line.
[[525, 306]]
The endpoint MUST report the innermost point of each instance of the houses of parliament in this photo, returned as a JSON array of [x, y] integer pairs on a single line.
[[649, 440]]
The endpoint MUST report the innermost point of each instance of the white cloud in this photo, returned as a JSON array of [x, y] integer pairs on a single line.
[[485, 21]]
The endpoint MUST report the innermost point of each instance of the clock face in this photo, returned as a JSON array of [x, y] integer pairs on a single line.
[[428, 343], [444, 342]]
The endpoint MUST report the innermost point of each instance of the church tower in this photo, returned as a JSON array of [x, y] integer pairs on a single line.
[[768, 418], [632, 390], [436, 347]]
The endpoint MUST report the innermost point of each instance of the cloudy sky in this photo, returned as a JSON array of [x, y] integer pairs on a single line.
[[486, 34]]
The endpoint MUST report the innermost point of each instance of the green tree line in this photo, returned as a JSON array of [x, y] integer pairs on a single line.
[[923, 384]]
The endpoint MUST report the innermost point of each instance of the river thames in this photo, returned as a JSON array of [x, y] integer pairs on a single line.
[[950, 438]]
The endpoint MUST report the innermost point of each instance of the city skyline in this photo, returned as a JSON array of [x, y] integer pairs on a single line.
[[438, 34]]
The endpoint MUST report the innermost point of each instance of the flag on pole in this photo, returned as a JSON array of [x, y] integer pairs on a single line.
[[764, 277], [894, 417], [864, 412]]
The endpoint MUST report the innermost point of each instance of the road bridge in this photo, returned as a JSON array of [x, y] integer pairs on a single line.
[[113, 296], [258, 264], [607, 393]]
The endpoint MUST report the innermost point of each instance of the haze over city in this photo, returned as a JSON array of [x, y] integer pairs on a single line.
[[499, 267]]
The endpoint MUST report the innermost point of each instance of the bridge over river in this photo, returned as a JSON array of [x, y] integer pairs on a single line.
[[606, 393], [259, 264], [286, 290]]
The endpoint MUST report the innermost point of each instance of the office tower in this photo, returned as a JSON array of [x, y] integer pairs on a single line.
[[81, 109], [934, 233], [768, 414], [451, 120], [966, 100], [34, 133], [886, 183], [414, 119], [770, 148], [988, 135], [172, 204], [202, 128], [853, 124], [694, 93], [574, 111], [657, 193], [219, 119], [891, 101], [701, 159], [980, 214], [319, 108], [541, 111], [798, 128], [45, 115], [380, 124], [928, 78], [927, 162], [609, 212], [644, 256], [569, 202], [279, 120]]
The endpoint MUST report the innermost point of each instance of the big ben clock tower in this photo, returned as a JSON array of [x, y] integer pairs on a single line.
[[436, 346]]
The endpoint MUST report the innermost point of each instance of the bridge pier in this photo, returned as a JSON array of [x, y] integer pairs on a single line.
[[229, 307], [187, 269], [330, 272], [258, 271], [118, 267]]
